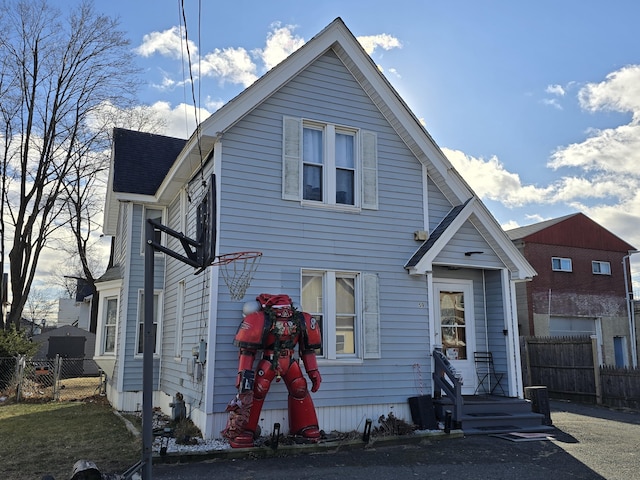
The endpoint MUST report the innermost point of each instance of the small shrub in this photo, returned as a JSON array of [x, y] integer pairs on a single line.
[[391, 425], [186, 433], [13, 342]]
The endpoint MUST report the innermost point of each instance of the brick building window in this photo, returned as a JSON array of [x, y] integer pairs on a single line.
[[601, 268], [559, 264]]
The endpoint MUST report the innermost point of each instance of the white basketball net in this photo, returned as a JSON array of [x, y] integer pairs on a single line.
[[238, 272]]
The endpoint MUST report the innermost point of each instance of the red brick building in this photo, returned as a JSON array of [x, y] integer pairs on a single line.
[[580, 288]]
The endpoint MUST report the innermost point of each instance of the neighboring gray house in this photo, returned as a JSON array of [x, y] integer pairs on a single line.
[[371, 215]]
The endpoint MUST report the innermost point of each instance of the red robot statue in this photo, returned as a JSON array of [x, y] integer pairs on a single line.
[[276, 327]]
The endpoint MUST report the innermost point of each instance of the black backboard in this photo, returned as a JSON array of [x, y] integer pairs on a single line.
[[206, 225]]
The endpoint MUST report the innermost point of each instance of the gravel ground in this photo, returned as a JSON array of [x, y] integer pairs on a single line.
[[588, 443]]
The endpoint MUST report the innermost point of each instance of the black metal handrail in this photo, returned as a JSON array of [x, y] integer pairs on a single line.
[[447, 380]]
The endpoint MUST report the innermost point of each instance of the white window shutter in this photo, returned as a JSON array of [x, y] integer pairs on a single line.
[[371, 316], [369, 155], [291, 157]]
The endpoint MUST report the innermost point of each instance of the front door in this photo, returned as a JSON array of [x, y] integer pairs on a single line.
[[454, 328]]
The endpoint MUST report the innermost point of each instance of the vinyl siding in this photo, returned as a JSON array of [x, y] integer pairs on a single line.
[[178, 373], [292, 237], [468, 239], [254, 217], [439, 206], [132, 380]]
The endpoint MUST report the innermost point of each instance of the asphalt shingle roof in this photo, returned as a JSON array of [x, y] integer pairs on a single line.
[[142, 160], [435, 235]]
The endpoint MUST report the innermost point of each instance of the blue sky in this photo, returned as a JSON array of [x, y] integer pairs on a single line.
[[536, 103]]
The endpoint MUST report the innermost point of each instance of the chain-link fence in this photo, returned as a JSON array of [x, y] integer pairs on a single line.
[[58, 378]]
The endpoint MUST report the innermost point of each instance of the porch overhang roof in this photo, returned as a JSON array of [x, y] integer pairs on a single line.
[[474, 211]]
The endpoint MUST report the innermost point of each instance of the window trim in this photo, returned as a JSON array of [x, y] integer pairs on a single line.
[[329, 329], [104, 325], [109, 289], [140, 323], [365, 167], [600, 263], [329, 164], [562, 260]]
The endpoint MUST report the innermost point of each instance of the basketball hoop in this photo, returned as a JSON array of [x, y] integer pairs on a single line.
[[237, 271]]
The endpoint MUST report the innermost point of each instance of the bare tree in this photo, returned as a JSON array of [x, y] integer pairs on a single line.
[[40, 306], [56, 74], [85, 192]]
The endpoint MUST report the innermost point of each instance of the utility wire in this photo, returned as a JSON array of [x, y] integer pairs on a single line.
[[193, 91]]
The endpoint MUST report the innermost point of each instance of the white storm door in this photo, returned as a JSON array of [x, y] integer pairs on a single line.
[[455, 328]]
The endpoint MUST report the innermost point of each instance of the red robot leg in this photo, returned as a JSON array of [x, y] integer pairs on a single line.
[[302, 414], [263, 379]]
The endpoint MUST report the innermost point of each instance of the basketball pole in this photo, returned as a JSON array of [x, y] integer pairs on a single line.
[[191, 257], [147, 355]]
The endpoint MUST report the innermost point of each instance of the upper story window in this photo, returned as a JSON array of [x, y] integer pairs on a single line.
[[329, 165], [601, 268], [560, 264]]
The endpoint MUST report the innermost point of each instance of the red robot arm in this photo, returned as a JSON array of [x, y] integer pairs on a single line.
[[311, 366], [312, 337], [244, 381]]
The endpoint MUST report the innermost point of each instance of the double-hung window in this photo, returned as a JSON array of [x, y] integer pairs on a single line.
[[109, 325], [559, 264], [330, 165], [345, 307]]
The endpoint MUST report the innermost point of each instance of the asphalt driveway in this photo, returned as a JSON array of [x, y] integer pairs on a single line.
[[588, 443]]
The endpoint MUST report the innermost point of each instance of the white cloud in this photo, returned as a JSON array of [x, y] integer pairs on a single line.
[[619, 92], [598, 176], [212, 104], [281, 42], [490, 180], [385, 41], [181, 119], [232, 65], [169, 43], [552, 102], [168, 84], [614, 150], [395, 72], [555, 90]]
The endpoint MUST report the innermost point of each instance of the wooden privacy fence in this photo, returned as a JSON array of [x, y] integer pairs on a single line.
[[568, 367]]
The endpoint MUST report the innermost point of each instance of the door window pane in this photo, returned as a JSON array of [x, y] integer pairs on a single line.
[[453, 328]]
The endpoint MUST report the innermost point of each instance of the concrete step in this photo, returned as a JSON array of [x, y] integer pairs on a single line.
[[488, 414]]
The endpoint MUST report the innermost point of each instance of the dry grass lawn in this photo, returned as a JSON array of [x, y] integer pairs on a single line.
[[48, 438]]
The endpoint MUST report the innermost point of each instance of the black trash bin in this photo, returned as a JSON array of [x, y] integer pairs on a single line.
[[423, 414], [539, 397]]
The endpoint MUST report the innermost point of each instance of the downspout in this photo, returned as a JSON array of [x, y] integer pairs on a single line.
[[549, 310], [630, 312], [433, 335], [486, 319], [513, 345]]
